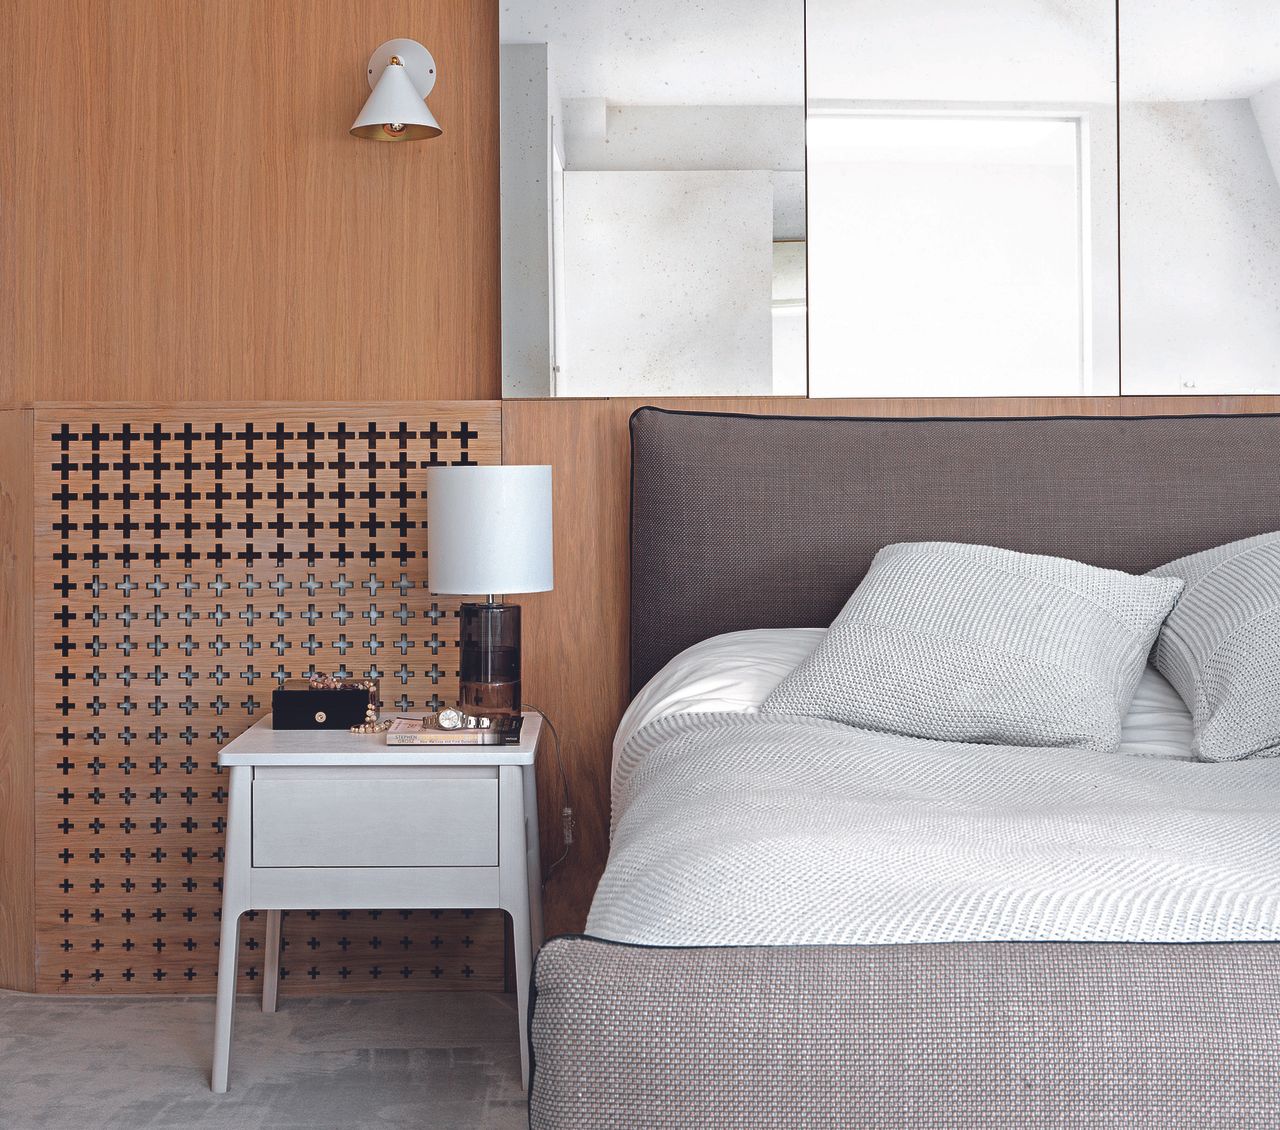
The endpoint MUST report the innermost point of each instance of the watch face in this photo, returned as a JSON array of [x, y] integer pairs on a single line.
[[450, 719]]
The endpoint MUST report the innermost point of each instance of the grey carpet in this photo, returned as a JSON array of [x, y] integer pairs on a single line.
[[447, 1060]]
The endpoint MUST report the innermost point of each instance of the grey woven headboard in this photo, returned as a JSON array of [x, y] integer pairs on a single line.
[[770, 521]]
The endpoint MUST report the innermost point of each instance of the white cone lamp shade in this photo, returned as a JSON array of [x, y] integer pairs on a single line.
[[489, 530], [402, 73]]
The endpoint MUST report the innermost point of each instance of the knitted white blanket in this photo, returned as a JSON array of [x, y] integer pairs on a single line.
[[746, 830]]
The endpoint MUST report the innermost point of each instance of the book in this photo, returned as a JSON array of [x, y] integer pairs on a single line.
[[426, 731]]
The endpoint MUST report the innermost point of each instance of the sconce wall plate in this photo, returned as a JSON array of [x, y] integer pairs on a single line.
[[415, 58]]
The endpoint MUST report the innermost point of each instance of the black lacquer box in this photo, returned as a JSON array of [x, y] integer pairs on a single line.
[[299, 706]]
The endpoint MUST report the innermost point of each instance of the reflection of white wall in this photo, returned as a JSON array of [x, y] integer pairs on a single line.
[[690, 137], [1200, 249], [526, 98], [604, 137], [668, 283]]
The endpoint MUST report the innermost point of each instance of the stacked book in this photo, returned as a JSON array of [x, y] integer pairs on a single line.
[[428, 731]]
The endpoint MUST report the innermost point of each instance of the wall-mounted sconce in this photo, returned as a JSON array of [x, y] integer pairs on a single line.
[[402, 74]]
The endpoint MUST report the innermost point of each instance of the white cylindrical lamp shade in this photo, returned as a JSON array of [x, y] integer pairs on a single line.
[[489, 529]]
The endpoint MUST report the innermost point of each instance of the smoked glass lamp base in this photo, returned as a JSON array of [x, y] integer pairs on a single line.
[[490, 667]]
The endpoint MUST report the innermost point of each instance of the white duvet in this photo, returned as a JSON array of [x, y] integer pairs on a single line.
[[735, 672], [735, 829]]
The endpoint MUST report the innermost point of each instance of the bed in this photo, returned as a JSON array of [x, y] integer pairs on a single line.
[[751, 987]]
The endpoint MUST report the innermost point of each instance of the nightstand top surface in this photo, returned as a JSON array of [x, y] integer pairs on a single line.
[[261, 744]]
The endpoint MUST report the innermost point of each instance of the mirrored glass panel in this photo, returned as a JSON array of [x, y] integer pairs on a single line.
[[653, 197], [1200, 195], [962, 198]]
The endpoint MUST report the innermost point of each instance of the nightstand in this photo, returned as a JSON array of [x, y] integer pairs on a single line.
[[330, 820]]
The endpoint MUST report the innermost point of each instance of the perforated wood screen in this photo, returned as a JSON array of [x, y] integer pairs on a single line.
[[186, 562]]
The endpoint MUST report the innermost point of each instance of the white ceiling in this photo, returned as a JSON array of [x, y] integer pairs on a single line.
[[962, 50], [751, 52], [1186, 50]]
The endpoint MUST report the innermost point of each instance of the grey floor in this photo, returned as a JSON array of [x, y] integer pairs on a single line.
[[427, 1060]]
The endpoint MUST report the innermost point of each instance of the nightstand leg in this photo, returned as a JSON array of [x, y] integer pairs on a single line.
[[533, 849], [235, 901], [513, 890], [271, 967], [226, 1003], [524, 972]]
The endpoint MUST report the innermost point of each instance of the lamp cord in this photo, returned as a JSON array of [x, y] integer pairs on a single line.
[[564, 782]]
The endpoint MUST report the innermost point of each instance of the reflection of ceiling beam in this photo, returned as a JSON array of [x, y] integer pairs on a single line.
[[620, 137]]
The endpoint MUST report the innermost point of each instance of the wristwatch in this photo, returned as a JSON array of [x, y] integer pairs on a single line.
[[451, 719]]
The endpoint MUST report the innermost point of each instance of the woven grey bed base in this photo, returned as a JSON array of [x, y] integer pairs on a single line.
[[986, 1034]]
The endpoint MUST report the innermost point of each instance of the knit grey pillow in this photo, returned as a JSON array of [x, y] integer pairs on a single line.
[[975, 644], [1220, 647]]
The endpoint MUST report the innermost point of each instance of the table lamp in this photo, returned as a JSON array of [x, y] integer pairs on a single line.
[[489, 530]]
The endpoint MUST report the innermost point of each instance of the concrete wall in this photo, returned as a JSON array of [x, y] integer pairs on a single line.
[[617, 253], [668, 283], [1200, 248], [526, 101]]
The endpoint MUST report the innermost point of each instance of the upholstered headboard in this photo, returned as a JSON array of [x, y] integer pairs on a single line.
[[770, 521]]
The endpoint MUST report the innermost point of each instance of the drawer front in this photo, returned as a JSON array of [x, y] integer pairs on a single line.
[[414, 822]]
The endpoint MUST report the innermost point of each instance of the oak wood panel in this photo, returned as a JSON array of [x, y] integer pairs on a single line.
[[577, 635], [186, 217], [574, 662], [17, 772], [1257, 404], [189, 557]]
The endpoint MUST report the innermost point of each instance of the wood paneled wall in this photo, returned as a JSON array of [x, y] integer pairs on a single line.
[[185, 216], [17, 767], [576, 655]]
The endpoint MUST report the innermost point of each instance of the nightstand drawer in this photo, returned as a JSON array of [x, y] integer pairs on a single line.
[[383, 822]]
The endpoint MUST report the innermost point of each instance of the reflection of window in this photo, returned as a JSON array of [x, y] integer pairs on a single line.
[[947, 255]]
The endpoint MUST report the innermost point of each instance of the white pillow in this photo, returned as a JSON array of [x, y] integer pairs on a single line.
[[971, 643], [1220, 647]]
